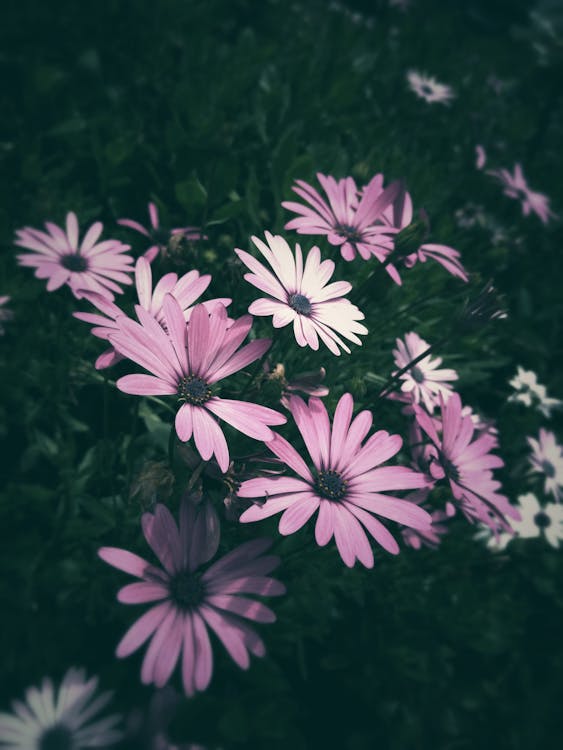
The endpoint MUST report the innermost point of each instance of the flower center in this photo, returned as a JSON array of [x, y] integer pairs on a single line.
[[548, 469], [300, 304], [194, 390], [417, 374], [57, 737], [330, 484], [426, 88], [74, 262], [542, 520], [186, 590], [351, 233]]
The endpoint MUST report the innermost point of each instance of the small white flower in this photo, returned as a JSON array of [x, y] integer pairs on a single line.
[[50, 720], [547, 459], [429, 89], [537, 521], [424, 382], [531, 393]]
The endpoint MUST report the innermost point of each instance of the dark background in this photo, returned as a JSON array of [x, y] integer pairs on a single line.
[[212, 109]]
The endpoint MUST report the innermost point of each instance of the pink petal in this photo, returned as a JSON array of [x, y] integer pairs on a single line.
[[184, 422], [161, 533], [240, 605], [203, 653], [142, 629], [198, 339], [324, 528], [125, 561], [141, 593], [298, 514], [170, 652]]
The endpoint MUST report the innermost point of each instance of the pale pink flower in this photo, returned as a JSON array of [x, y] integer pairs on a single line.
[[158, 235], [429, 89], [350, 222], [547, 459], [59, 257], [5, 313], [480, 157], [424, 382], [63, 718], [344, 485], [302, 295], [186, 290], [515, 186], [186, 361], [467, 465], [189, 602]]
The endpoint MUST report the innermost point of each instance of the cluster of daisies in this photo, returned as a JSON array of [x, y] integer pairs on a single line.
[[337, 474], [541, 512]]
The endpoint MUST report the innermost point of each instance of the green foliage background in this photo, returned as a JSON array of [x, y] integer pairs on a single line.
[[212, 109]]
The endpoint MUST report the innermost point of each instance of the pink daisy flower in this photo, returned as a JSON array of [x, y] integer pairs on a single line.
[[186, 362], [547, 459], [302, 295], [344, 485], [399, 216], [424, 382], [515, 186], [348, 221], [90, 265], [191, 602], [467, 464], [158, 235], [185, 291]]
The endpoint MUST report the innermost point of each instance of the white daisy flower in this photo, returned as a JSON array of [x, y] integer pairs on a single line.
[[537, 521], [429, 89], [48, 720], [547, 459], [531, 393]]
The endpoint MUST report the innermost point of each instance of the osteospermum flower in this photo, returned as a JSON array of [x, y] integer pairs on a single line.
[[185, 291], [515, 186], [429, 89], [467, 465], [344, 485], [159, 235], [59, 257], [532, 393], [5, 313], [191, 602], [302, 296], [63, 720], [537, 521], [353, 223], [186, 362], [423, 381], [547, 459]]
